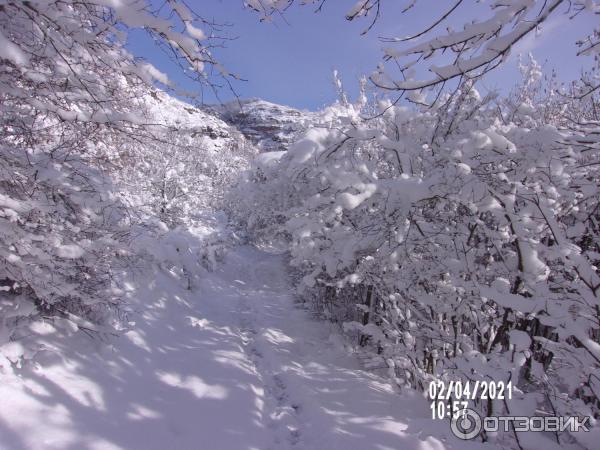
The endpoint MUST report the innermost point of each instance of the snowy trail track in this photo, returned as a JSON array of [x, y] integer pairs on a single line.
[[233, 364]]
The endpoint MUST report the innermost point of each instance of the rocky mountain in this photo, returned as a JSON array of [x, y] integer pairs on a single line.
[[269, 126]]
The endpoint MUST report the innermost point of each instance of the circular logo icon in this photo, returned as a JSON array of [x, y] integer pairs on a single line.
[[466, 424]]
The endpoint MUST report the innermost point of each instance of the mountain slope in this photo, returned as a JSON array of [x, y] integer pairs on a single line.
[[269, 126]]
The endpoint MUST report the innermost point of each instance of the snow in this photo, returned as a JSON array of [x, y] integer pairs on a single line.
[[12, 52], [195, 32], [10, 203], [463, 169], [232, 364], [520, 340], [351, 201], [152, 73], [268, 158], [70, 251]]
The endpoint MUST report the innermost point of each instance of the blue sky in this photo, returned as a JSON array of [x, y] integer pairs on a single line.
[[291, 60]]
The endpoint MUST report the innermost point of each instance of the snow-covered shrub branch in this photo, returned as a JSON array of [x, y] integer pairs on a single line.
[[77, 42], [450, 50]]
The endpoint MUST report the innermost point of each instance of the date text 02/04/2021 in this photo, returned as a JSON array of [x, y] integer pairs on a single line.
[[448, 399]]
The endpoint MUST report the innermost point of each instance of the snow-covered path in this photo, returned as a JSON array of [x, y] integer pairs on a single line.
[[313, 395], [233, 364]]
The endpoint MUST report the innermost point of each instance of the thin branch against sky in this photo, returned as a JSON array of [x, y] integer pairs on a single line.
[[305, 48]]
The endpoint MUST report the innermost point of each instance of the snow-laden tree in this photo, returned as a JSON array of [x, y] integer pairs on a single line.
[[75, 123], [456, 242]]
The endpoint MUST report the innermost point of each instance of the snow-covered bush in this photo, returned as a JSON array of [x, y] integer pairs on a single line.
[[93, 159], [60, 229], [183, 163], [452, 241]]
